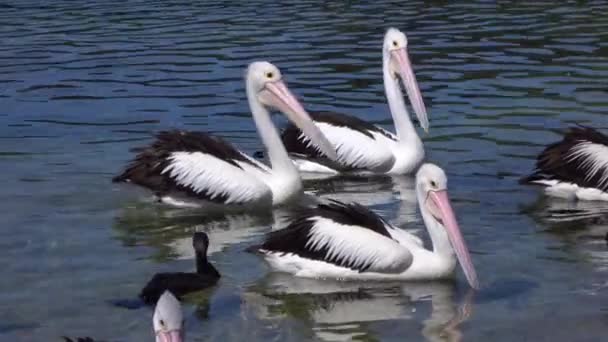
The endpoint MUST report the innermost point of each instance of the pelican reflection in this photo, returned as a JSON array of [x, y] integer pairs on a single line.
[[340, 311]]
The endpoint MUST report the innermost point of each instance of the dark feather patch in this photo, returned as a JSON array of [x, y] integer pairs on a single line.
[[179, 283], [295, 145], [146, 169], [555, 163], [295, 237], [80, 339]]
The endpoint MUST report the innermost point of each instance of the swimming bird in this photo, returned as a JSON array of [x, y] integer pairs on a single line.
[[575, 167], [348, 241], [362, 146], [197, 169], [168, 320], [182, 283]]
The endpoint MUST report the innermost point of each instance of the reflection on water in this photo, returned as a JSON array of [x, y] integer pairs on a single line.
[[343, 311], [581, 225], [170, 229]]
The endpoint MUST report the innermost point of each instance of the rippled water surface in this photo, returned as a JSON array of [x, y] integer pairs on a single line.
[[82, 82]]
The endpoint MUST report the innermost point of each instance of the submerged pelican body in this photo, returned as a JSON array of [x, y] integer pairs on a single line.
[[348, 241], [197, 169], [362, 146]]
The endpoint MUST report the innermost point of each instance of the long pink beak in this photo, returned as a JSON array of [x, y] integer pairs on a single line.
[[170, 336], [278, 95], [446, 215], [411, 86]]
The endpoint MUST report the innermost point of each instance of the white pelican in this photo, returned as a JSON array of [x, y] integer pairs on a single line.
[[348, 241], [574, 168], [168, 321], [360, 145], [197, 169]]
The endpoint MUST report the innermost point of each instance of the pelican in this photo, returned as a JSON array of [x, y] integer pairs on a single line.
[[196, 169], [348, 241], [575, 167], [167, 319], [360, 145]]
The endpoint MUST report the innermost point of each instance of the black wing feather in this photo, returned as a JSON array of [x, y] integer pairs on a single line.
[[554, 163], [80, 339], [179, 283]]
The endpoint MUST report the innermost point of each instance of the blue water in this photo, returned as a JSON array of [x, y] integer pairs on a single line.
[[82, 82]]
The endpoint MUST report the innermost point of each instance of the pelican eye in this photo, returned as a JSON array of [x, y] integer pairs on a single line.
[[394, 43], [433, 184], [269, 74], [162, 323]]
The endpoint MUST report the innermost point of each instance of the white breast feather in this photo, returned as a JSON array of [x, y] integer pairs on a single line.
[[592, 156], [203, 172], [355, 148], [359, 246]]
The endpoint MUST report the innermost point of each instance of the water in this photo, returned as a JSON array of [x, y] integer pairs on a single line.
[[83, 82]]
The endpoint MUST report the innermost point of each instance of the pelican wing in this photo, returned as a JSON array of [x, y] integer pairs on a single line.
[[356, 142], [197, 164], [213, 179], [581, 158], [346, 235]]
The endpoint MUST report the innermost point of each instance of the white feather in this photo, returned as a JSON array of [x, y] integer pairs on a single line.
[[592, 156], [202, 172], [304, 165], [409, 155], [358, 246], [405, 238], [356, 149], [569, 190]]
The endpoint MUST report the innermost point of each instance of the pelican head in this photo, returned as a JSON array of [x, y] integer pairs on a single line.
[[395, 48], [168, 321], [432, 189], [265, 86]]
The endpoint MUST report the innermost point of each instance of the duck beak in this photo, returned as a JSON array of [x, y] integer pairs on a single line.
[[404, 67], [441, 209], [277, 95]]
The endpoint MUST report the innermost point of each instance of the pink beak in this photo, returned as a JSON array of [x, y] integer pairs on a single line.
[[445, 213], [170, 336], [411, 86], [277, 95]]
